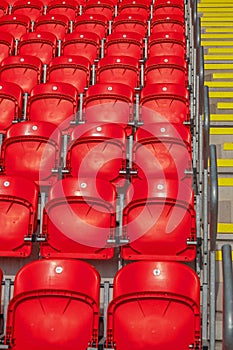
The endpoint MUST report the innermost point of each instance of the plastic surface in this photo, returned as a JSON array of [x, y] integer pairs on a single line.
[[118, 69], [148, 297], [40, 44], [17, 25], [130, 23], [167, 43], [4, 8], [124, 43], [53, 23], [87, 43], [94, 23], [30, 8], [138, 7], [165, 102], [109, 103], [11, 96], [53, 102], [69, 8], [18, 215], [103, 7], [58, 300], [24, 71], [97, 150], [79, 218], [159, 220], [32, 150], [71, 69], [6, 45], [168, 22]]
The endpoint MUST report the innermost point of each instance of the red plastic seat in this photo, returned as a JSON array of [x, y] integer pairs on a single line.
[[30, 8], [156, 305], [118, 69], [125, 44], [26, 71], [109, 103], [135, 7], [85, 43], [164, 7], [79, 218], [102, 7], [165, 102], [53, 102], [130, 23], [58, 300], [69, 8], [6, 45], [4, 8], [167, 43], [168, 23], [17, 25], [163, 150], [94, 23], [18, 215], [11, 103], [53, 23], [166, 69], [39, 44], [32, 150], [166, 209], [97, 150], [74, 70]]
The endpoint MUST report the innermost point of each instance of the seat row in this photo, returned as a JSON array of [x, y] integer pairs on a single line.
[[109, 8], [59, 301]]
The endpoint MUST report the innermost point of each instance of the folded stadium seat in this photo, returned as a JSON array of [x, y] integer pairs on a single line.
[[55, 24], [167, 43], [30, 8], [94, 23], [4, 8], [166, 69], [97, 150], [102, 7], [118, 69], [109, 103], [53, 102], [135, 7], [32, 150], [156, 305], [168, 23], [26, 71], [125, 44], [163, 150], [73, 70], [7, 43], [164, 102], [18, 215], [69, 8], [39, 44], [86, 44], [79, 218], [16, 25], [159, 220], [58, 301], [130, 23], [11, 97], [163, 7]]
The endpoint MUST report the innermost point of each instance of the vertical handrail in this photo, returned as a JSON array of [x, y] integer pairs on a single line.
[[201, 78], [206, 134], [227, 324], [213, 234]]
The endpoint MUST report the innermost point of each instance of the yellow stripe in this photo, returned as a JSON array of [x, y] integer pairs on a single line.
[[220, 15], [225, 182], [221, 131], [215, 19], [219, 30], [228, 146], [216, 43], [216, 1], [211, 5], [221, 49], [221, 84], [218, 57], [223, 75], [219, 255], [217, 36], [225, 163], [216, 66], [221, 94], [221, 117], [225, 228], [225, 105], [208, 23]]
